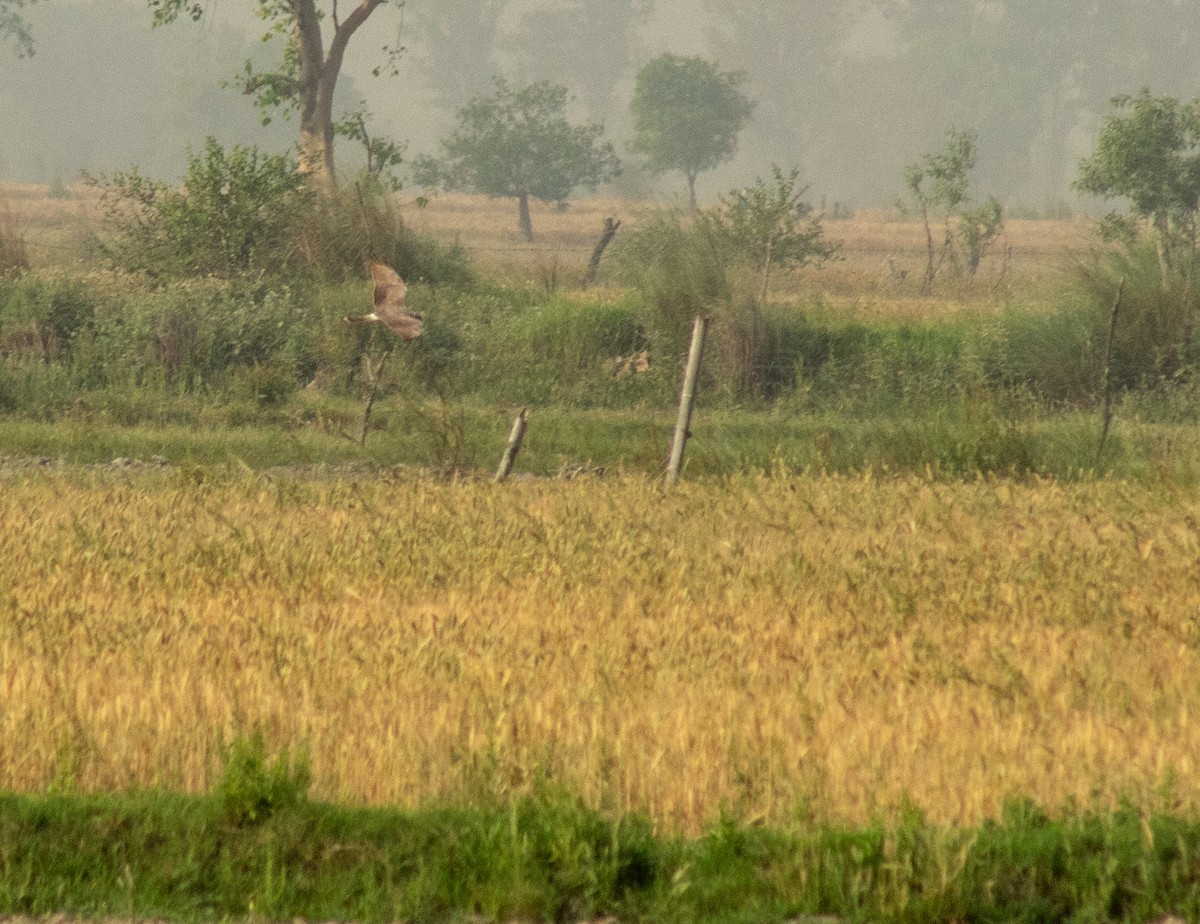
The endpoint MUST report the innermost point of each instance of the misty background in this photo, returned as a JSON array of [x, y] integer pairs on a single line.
[[849, 91]]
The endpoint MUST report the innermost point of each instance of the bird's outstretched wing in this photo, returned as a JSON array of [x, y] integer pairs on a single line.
[[390, 305]]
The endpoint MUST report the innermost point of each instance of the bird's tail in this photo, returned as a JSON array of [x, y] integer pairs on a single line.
[[360, 318]]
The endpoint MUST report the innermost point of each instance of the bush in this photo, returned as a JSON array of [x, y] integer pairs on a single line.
[[42, 317], [251, 790], [363, 220], [1061, 355], [234, 214]]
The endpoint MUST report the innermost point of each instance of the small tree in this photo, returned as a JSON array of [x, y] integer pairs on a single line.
[[687, 115], [771, 225], [1149, 154], [941, 181], [519, 144], [383, 154]]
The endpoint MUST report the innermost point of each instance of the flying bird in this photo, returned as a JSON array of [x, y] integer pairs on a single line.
[[390, 308]]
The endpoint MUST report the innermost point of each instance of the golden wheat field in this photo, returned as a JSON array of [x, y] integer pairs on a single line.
[[762, 645]]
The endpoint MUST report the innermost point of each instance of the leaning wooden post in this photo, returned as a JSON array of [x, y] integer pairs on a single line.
[[514, 445], [1107, 378], [610, 229], [687, 398]]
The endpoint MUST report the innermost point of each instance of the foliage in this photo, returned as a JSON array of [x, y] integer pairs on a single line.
[[383, 154], [234, 214], [251, 789], [678, 267], [306, 78], [14, 27], [771, 225], [550, 857], [941, 181], [366, 220], [687, 115], [1149, 154], [519, 143], [1157, 340]]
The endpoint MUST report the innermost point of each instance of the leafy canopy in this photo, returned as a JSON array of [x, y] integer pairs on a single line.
[[770, 223], [519, 142], [1148, 153], [687, 114], [941, 180]]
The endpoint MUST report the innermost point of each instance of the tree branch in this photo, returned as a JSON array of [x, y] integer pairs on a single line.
[[343, 33], [284, 86]]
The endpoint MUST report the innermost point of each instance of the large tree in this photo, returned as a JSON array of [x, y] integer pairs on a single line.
[[587, 44], [317, 36], [14, 27], [455, 47], [519, 143], [795, 56], [687, 115]]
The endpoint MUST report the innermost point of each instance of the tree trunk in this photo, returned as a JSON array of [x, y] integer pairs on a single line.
[[691, 178], [1162, 224], [523, 216], [318, 76]]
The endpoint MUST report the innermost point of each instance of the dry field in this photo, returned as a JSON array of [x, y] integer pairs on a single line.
[[58, 229], [763, 645]]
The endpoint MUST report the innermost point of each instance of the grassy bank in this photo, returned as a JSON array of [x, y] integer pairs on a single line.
[[548, 858], [962, 438]]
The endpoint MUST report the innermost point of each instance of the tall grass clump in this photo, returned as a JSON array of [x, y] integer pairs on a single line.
[[252, 788], [682, 267], [678, 267], [14, 259], [334, 238], [1061, 355]]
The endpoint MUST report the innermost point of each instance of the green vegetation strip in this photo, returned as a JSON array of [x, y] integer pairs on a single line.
[[272, 854]]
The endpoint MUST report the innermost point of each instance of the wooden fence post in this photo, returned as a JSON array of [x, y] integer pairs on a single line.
[[514, 445], [610, 229], [687, 398]]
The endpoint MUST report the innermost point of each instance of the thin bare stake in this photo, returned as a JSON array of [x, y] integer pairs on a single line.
[[687, 398], [515, 438], [1108, 353], [375, 374]]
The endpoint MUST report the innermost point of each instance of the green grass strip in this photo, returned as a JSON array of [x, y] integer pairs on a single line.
[[549, 858]]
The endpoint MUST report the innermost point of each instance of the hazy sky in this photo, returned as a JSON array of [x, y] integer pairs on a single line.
[[849, 91]]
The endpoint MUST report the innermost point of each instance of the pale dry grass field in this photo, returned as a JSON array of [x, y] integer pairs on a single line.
[[878, 245], [767, 645]]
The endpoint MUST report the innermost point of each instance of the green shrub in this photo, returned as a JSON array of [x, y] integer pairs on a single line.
[[251, 789], [235, 213], [42, 316]]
